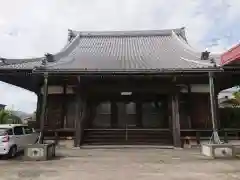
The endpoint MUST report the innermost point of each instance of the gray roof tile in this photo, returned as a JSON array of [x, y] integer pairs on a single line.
[[136, 50], [125, 50]]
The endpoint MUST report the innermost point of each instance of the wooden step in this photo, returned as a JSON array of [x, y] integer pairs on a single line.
[[131, 137]]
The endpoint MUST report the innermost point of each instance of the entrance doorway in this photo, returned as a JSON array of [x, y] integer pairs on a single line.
[[126, 115], [130, 122]]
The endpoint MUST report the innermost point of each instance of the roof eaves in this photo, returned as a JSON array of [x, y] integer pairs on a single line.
[[183, 42], [208, 64], [127, 71]]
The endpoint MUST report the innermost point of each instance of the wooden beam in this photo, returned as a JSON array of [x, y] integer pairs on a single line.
[[137, 89]]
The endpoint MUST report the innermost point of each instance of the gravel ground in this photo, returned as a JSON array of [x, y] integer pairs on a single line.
[[118, 164]]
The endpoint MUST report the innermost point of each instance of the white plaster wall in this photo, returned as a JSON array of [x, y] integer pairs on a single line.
[[197, 88], [58, 90]]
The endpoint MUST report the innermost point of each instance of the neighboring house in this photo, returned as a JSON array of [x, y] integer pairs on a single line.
[[2, 106], [227, 99], [228, 102], [24, 117]]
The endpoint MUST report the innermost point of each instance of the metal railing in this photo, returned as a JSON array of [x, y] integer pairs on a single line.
[[205, 134]]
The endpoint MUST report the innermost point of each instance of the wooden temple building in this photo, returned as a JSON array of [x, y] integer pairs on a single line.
[[124, 87]]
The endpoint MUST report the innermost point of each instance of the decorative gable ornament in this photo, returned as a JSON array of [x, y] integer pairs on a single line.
[[71, 35], [205, 55], [49, 57]]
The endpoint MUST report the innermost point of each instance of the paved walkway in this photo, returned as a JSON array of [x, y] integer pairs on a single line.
[[126, 164]]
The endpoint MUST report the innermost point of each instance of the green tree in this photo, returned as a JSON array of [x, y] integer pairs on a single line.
[[7, 117], [4, 116], [236, 95]]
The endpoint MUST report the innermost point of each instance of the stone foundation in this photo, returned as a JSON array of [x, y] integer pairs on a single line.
[[39, 152], [218, 150]]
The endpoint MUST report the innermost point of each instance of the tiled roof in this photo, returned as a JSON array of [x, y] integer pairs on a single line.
[[24, 64], [30, 64], [231, 56], [125, 50]]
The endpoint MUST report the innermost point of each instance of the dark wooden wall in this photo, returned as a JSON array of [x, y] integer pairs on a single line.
[[199, 112], [60, 111], [195, 111], [201, 117]]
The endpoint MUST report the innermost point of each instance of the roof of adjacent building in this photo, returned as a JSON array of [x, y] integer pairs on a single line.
[[153, 50], [231, 56], [2, 105]]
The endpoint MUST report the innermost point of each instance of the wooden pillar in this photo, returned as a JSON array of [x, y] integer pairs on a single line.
[[64, 106], [213, 108], [218, 122], [189, 107], [139, 114], [38, 110], [81, 113], [114, 114], [78, 115], [176, 120], [44, 105], [217, 90]]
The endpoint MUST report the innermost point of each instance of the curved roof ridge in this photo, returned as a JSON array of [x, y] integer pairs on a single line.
[[163, 32], [196, 55], [68, 48], [193, 50], [190, 50], [184, 43]]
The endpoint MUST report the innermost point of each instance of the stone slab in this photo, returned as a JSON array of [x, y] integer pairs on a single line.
[[39, 152], [218, 150]]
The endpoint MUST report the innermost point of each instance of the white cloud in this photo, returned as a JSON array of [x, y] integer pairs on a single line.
[[31, 27], [16, 98], [40, 26]]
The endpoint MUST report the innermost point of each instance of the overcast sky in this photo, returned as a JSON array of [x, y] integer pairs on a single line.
[[30, 28]]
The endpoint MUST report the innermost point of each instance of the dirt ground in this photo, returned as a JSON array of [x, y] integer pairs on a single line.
[[126, 164]]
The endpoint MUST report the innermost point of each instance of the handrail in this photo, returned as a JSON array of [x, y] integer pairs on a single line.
[[231, 129], [129, 129], [210, 130], [58, 130], [196, 130], [139, 129]]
